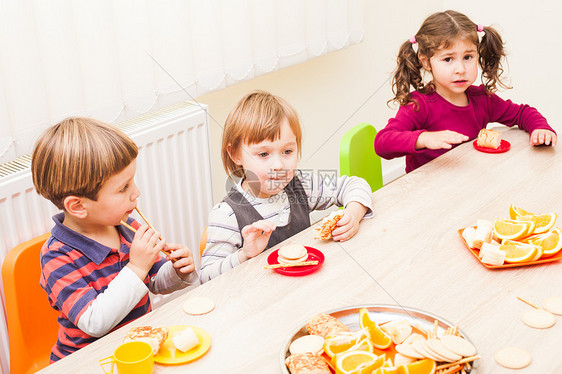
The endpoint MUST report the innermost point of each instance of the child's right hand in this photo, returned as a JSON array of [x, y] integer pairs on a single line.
[[256, 236], [144, 250], [439, 139]]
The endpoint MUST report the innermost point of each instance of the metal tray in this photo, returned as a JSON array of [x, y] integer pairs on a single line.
[[378, 313]]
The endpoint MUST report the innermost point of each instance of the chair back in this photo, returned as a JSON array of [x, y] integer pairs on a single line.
[[203, 242], [32, 323], [358, 157]]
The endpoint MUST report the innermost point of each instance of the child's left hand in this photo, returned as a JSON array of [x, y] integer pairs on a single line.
[[184, 265], [542, 136], [348, 225]]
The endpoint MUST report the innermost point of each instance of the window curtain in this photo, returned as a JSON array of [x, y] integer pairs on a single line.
[[115, 60]]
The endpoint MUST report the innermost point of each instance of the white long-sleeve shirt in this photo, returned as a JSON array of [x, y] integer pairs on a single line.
[[224, 238]]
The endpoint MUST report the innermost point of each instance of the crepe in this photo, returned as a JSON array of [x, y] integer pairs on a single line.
[[328, 225], [307, 363], [153, 336], [489, 139], [324, 325]]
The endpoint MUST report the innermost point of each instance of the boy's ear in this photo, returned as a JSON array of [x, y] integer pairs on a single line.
[[74, 206], [425, 62], [233, 156]]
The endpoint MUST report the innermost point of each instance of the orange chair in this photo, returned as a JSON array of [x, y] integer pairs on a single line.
[[203, 242], [32, 323]]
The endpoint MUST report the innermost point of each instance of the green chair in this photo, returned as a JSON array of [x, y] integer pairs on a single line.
[[358, 157]]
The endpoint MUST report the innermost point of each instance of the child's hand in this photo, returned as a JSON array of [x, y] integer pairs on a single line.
[[144, 250], [348, 225], [542, 136], [184, 264], [439, 139], [256, 236]]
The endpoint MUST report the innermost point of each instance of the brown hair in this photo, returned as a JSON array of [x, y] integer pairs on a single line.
[[438, 31], [76, 156], [256, 117]]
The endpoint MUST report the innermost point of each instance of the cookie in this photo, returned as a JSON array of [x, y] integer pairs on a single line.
[[554, 305], [198, 305], [307, 343], [408, 350], [292, 252], [436, 346], [538, 318], [458, 345], [513, 357]]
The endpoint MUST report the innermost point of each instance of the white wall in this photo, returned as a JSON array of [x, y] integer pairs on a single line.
[[334, 92]]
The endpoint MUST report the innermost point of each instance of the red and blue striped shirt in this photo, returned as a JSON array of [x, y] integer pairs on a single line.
[[75, 270]]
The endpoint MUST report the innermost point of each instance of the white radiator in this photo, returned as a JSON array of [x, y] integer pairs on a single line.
[[173, 174]]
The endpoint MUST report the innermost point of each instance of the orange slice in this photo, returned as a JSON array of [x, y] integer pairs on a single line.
[[351, 362], [543, 222], [389, 370], [550, 242], [379, 338], [528, 219], [504, 229], [515, 212], [346, 341], [425, 366], [519, 252]]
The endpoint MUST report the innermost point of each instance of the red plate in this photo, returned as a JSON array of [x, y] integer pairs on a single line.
[[313, 255], [504, 147], [475, 251]]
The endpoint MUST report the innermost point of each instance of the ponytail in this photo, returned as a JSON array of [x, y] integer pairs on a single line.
[[491, 52], [407, 73]]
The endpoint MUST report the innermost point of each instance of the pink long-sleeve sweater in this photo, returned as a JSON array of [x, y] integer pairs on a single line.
[[435, 113]]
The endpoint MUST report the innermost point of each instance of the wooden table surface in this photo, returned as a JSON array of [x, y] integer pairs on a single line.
[[409, 254]]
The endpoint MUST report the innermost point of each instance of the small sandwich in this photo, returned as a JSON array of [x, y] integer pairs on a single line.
[[489, 139], [328, 225], [292, 253], [307, 363], [325, 325], [153, 336]]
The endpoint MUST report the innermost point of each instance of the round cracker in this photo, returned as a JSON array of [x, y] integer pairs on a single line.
[[421, 347], [283, 260], [538, 318], [554, 305], [292, 251], [408, 350], [458, 345], [435, 345], [513, 357], [308, 343], [198, 305]]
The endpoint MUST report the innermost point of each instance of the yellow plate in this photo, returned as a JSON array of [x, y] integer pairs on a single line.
[[169, 355]]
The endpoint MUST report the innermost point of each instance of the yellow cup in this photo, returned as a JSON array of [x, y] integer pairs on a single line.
[[130, 358]]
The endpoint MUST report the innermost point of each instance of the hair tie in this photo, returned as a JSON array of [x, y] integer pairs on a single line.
[[480, 28], [413, 39]]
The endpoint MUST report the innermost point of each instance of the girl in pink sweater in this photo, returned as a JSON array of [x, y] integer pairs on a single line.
[[449, 110]]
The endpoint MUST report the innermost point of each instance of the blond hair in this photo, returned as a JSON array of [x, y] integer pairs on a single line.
[[256, 117], [76, 156]]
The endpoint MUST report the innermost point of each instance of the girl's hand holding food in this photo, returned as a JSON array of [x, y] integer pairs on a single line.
[[348, 225]]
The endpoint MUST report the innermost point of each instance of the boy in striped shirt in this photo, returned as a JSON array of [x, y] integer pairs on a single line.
[[96, 272]]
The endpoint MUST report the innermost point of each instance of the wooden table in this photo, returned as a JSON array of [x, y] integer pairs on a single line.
[[409, 254]]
